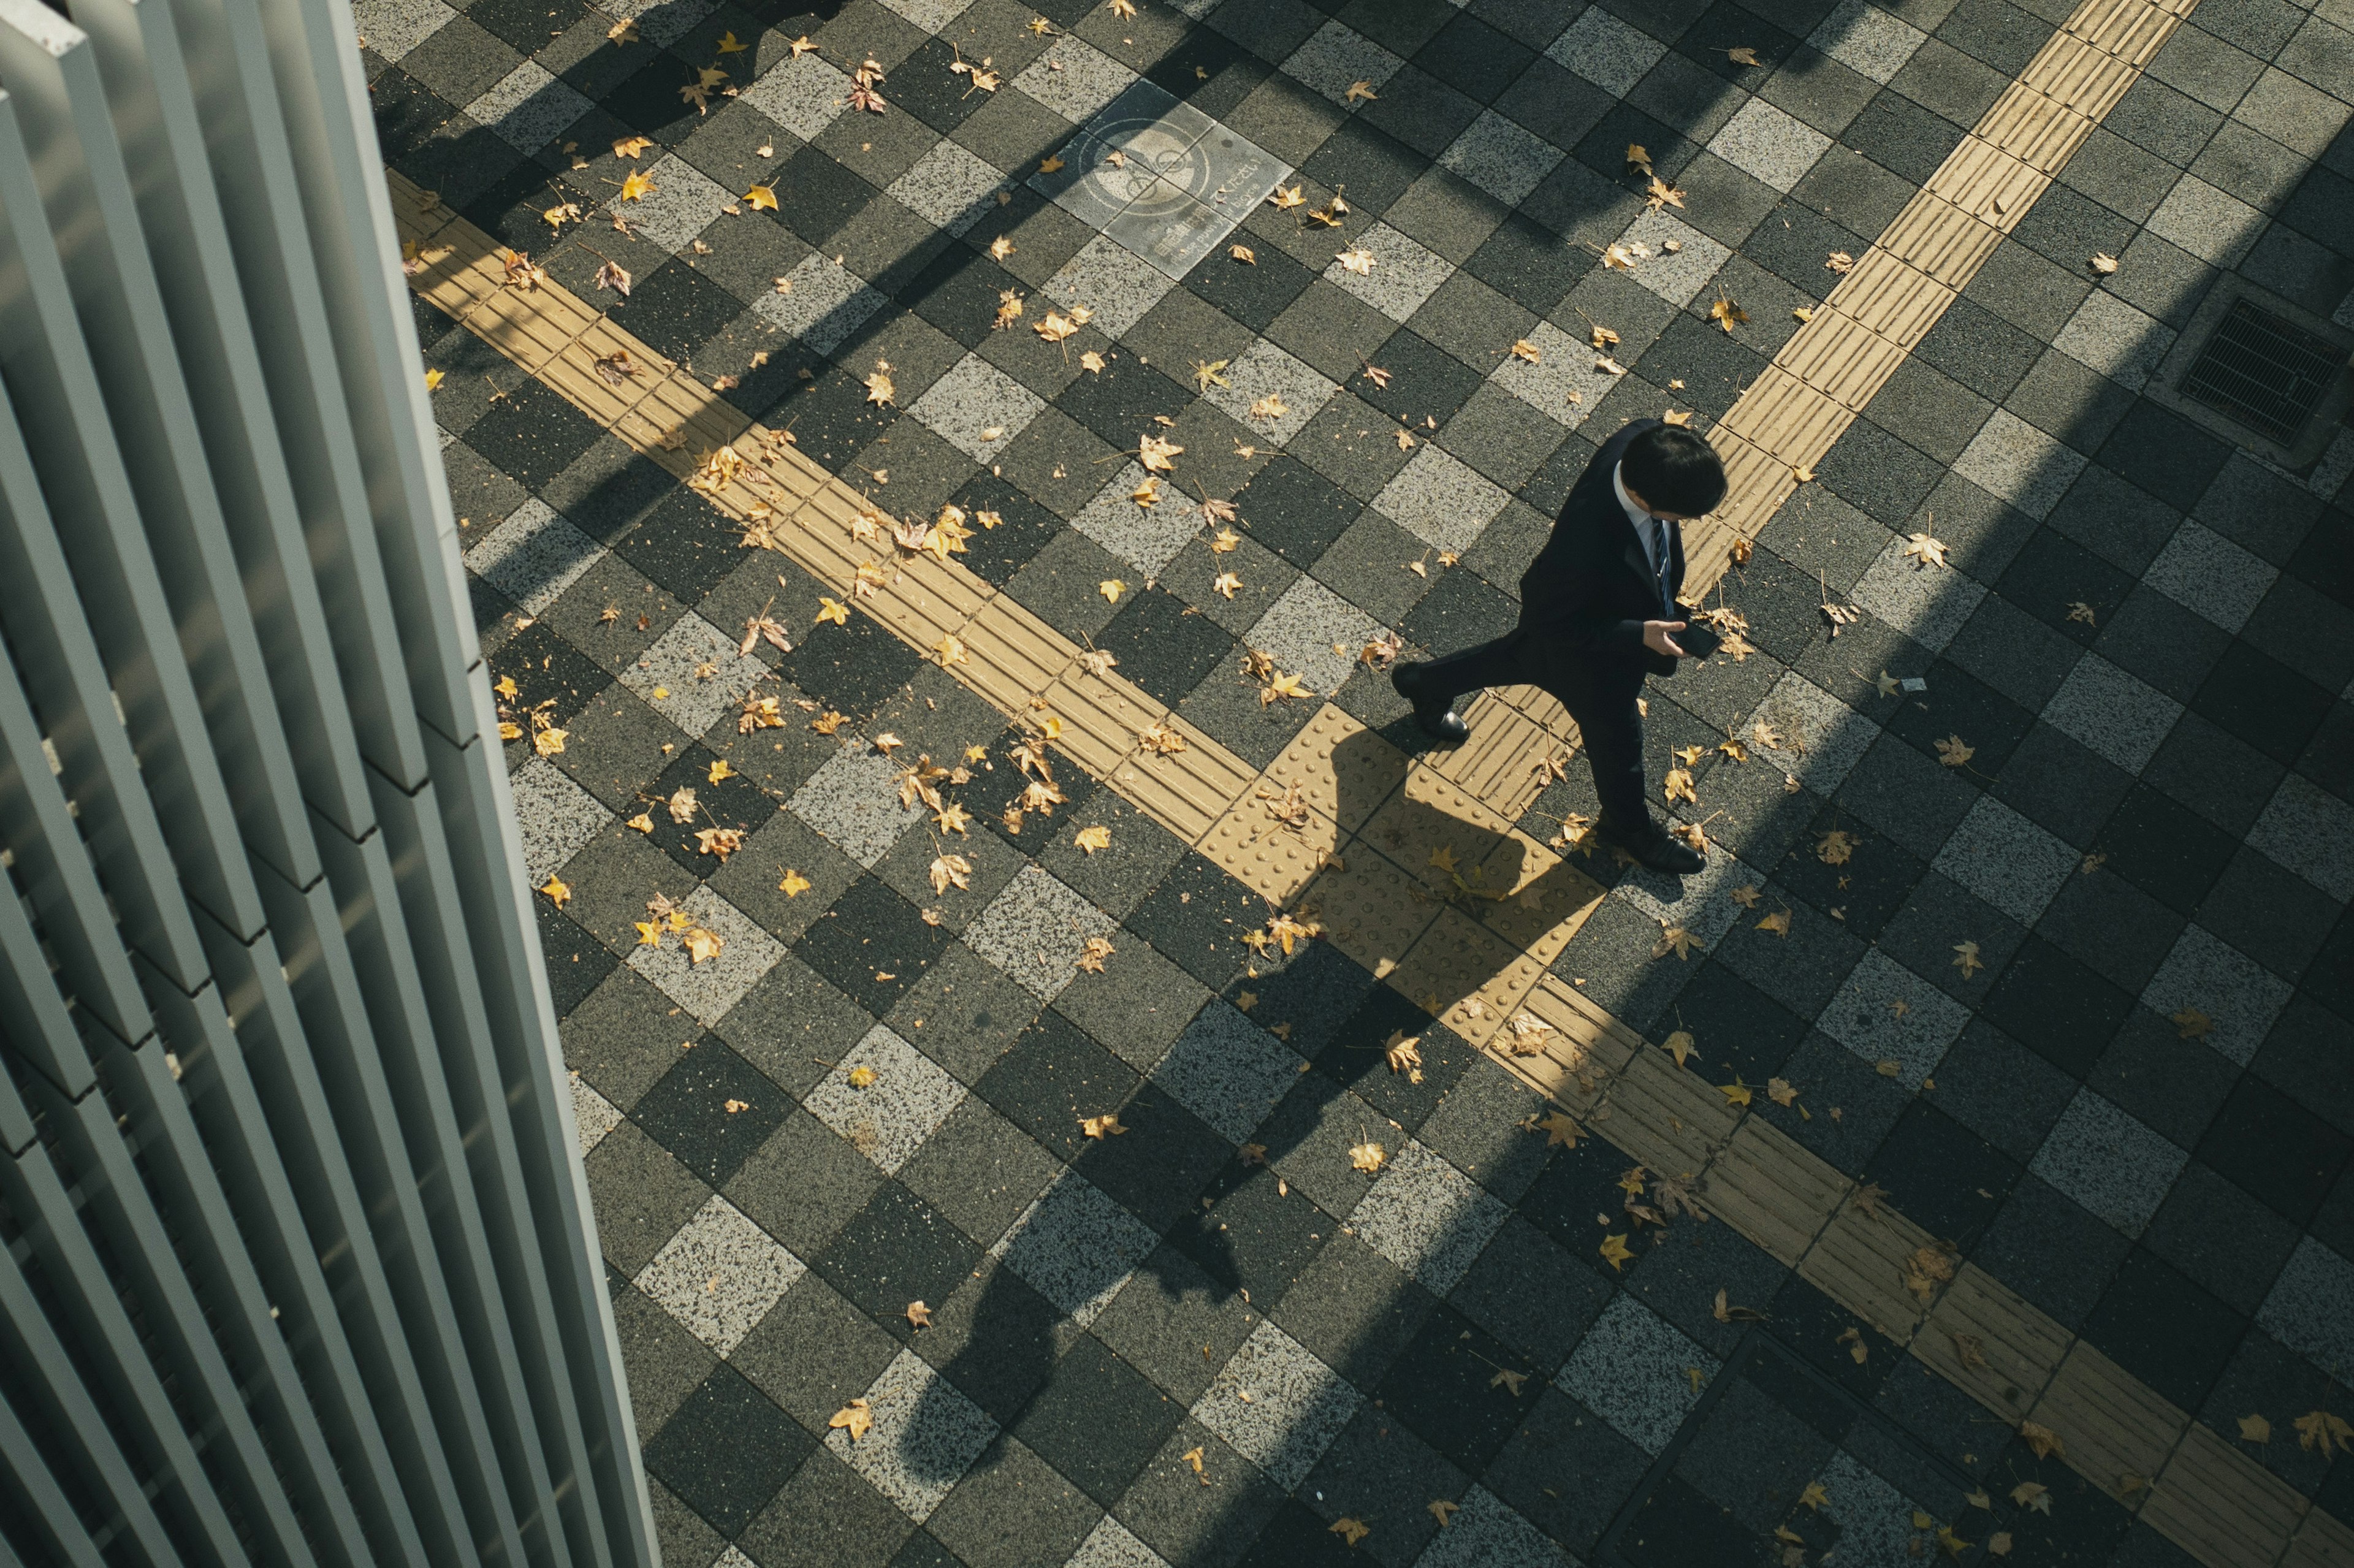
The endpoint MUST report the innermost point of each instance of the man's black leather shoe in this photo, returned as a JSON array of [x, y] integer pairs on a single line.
[[1655, 848], [1436, 719]]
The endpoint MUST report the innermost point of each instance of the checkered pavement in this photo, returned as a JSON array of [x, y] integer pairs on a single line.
[[2154, 819]]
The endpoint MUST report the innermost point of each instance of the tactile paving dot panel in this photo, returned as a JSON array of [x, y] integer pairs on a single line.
[[1342, 769], [1274, 857], [1369, 908]]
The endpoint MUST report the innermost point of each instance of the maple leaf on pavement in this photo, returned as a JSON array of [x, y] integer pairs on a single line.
[[1677, 940], [1359, 260], [1615, 1251], [858, 1418], [1929, 552], [1954, 753], [1726, 314]]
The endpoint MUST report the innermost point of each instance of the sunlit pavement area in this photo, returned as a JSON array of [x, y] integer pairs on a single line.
[[2031, 845]]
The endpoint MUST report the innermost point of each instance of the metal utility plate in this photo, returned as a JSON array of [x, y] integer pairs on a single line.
[[1161, 177]]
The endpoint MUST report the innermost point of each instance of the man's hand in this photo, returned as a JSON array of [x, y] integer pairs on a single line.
[[1655, 638]]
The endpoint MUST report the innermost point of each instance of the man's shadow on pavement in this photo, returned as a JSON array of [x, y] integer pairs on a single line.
[[1240, 1232]]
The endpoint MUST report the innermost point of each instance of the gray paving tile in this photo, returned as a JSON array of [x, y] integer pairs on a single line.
[[1073, 79], [719, 1275], [1403, 274], [1338, 57], [1440, 500], [557, 817], [1227, 1070], [693, 673], [393, 27], [2122, 719], [2112, 1164], [1885, 1013], [1501, 158], [1276, 1404], [1076, 1247], [2007, 860], [2306, 1308], [1769, 143], [1036, 931], [2211, 576], [1867, 40], [925, 1435], [2207, 975], [885, 1098], [1428, 1217], [707, 989], [1635, 1371], [1606, 51], [2013, 460]]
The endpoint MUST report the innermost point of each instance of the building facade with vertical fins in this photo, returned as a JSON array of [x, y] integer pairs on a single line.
[[300, 1267]]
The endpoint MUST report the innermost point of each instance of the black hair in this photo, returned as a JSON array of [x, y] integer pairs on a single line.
[[1673, 470]]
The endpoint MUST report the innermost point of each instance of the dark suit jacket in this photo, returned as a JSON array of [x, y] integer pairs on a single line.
[[1586, 597]]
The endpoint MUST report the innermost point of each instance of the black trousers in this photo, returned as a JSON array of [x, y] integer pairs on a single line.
[[1600, 694]]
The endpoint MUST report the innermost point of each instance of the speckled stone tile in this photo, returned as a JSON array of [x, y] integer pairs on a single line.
[[1036, 930], [1227, 1070], [977, 409], [1276, 1405], [719, 1275], [1428, 1217], [555, 815], [709, 989], [2006, 859], [1885, 1013], [1635, 1371], [885, 1098], [693, 673], [854, 800], [1403, 275], [1440, 500], [2109, 1162], [926, 1435], [1075, 1246]]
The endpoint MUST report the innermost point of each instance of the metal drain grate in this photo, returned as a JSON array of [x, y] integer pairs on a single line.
[[2263, 372]]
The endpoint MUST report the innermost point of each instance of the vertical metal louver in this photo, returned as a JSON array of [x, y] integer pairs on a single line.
[[299, 1265]]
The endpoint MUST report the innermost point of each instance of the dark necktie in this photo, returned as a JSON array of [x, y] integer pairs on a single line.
[[1660, 565]]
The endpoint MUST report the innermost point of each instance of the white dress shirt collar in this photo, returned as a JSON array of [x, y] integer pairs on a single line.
[[1635, 514]]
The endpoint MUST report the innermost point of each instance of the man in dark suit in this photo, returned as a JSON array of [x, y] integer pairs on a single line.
[[1598, 613]]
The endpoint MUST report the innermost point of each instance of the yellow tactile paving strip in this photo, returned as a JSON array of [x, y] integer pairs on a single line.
[[1412, 866], [1786, 422]]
